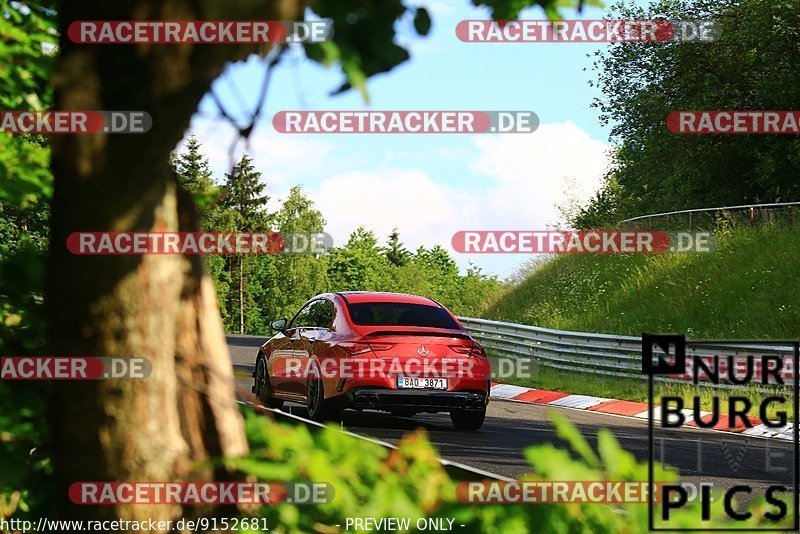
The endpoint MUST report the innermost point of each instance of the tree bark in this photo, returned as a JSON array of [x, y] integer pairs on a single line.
[[241, 295], [161, 307]]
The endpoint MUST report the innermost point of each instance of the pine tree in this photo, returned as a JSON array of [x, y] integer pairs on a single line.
[[192, 168], [395, 252], [244, 196], [244, 199]]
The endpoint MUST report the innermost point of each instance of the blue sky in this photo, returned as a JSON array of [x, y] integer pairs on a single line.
[[430, 186]]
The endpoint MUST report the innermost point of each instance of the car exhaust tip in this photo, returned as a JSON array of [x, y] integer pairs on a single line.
[[360, 400], [374, 400], [469, 403], [479, 403]]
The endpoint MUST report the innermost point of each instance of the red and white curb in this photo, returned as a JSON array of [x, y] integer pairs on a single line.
[[637, 410]]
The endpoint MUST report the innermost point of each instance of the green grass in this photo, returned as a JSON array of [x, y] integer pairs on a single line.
[[747, 289]]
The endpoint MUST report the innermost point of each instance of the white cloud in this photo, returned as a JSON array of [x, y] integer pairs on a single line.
[[524, 180], [424, 211], [528, 172], [511, 182]]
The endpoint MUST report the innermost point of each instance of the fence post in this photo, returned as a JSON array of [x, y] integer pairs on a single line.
[[790, 217], [752, 215]]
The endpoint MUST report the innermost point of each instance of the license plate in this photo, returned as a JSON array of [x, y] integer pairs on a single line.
[[422, 383]]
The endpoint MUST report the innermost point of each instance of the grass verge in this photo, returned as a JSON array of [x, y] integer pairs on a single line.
[[745, 289]]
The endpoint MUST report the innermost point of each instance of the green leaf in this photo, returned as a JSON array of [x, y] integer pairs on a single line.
[[422, 21]]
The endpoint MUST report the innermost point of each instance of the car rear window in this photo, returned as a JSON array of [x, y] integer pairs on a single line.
[[400, 314]]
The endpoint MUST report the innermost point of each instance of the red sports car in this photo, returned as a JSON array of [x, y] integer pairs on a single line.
[[380, 351]]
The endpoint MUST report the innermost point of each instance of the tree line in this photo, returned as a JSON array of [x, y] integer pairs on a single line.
[[752, 65], [253, 290]]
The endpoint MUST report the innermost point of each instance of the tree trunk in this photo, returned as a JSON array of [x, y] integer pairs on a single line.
[[241, 295], [161, 307]]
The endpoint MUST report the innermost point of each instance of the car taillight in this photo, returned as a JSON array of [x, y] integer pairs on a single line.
[[469, 350], [354, 349]]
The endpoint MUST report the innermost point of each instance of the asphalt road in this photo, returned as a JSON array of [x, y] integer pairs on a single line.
[[699, 455]]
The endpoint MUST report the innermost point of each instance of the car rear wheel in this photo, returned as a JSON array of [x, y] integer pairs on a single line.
[[468, 419], [262, 387], [319, 409]]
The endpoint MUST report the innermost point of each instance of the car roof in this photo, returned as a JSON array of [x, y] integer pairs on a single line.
[[356, 297]]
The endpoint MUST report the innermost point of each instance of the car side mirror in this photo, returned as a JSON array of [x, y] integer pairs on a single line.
[[279, 325]]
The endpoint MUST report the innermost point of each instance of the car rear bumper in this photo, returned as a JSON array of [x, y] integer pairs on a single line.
[[419, 399]]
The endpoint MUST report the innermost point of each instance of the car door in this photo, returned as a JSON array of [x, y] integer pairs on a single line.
[[314, 337], [286, 364]]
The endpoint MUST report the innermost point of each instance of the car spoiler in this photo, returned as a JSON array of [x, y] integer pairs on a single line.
[[428, 333]]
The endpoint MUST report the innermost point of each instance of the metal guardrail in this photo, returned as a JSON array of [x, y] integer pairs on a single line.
[[603, 354], [783, 213]]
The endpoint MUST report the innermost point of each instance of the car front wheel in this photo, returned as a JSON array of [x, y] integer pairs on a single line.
[[468, 419]]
